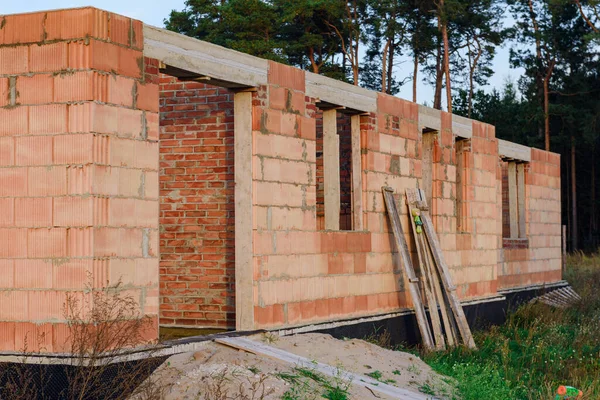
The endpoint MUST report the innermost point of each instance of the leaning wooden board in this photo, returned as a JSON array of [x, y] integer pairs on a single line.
[[440, 262], [426, 277], [413, 288]]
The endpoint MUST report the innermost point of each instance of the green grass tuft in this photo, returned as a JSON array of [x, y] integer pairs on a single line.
[[537, 349]]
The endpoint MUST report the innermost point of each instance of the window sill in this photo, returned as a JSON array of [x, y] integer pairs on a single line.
[[510, 243]]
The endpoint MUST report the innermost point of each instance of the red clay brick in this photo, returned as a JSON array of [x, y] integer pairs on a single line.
[[73, 149], [14, 60], [47, 243], [131, 62], [147, 97], [120, 29], [120, 91], [14, 121], [7, 151], [23, 28], [49, 57], [77, 24], [33, 212], [81, 86], [7, 336], [36, 89], [46, 181], [6, 217], [33, 274], [4, 92], [286, 76], [74, 211], [33, 337], [34, 150], [48, 119]]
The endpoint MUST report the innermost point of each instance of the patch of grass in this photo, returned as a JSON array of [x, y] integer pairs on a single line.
[[375, 375], [306, 383], [537, 349], [396, 372], [427, 389], [254, 370]]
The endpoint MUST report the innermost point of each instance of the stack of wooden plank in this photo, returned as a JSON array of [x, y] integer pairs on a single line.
[[560, 298], [434, 282]]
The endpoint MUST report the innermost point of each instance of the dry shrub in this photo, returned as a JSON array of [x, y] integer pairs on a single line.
[[227, 385], [105, 325]]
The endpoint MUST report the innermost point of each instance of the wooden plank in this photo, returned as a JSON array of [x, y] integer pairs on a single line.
[[521, 200], [244, 267], [513, 201], [413, 287], [440, 262], [357, 206], [265, 350], [331, 170], [426, 277], [447, 315]]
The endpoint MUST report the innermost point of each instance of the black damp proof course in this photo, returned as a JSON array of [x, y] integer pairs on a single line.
[[23, 381], [403, 330]]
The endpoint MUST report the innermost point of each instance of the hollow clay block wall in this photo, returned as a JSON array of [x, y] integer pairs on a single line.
[[78, 170], [540, 262], [197, 268]]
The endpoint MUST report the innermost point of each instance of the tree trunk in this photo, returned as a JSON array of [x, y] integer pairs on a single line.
[[390, 67], [592, 231], [547, 106], [415, 73], [313, 63], [446, 62], [384, 54], [439, 77], [574, 244]]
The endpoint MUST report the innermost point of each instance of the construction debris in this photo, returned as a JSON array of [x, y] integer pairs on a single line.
[[560, 298]]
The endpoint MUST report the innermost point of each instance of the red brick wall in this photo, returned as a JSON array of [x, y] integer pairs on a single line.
[[197, 205]]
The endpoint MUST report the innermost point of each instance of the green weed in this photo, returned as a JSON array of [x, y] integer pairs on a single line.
[[537, 349], [375, 375]]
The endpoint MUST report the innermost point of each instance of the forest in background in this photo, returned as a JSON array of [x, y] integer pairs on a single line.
[[555, 104]]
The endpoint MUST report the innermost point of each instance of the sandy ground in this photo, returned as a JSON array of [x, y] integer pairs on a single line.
[[217, 372]]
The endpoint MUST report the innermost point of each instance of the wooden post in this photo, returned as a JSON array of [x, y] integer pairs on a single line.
[[242, 126], [521, 200], [512, 200], [427, 166], [357, 206], [331, 170]]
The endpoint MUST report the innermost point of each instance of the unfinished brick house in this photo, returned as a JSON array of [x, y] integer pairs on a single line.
[[233, 192]]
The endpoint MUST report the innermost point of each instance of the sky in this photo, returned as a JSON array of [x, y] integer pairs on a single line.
[[153, 12]]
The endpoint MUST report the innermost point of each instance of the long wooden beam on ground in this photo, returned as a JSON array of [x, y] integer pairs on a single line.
[[265, 350]]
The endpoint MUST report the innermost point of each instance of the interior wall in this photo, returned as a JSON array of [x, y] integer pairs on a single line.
[[196, 205]]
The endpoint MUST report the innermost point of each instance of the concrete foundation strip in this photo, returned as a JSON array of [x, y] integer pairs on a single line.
[[373, 385]]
